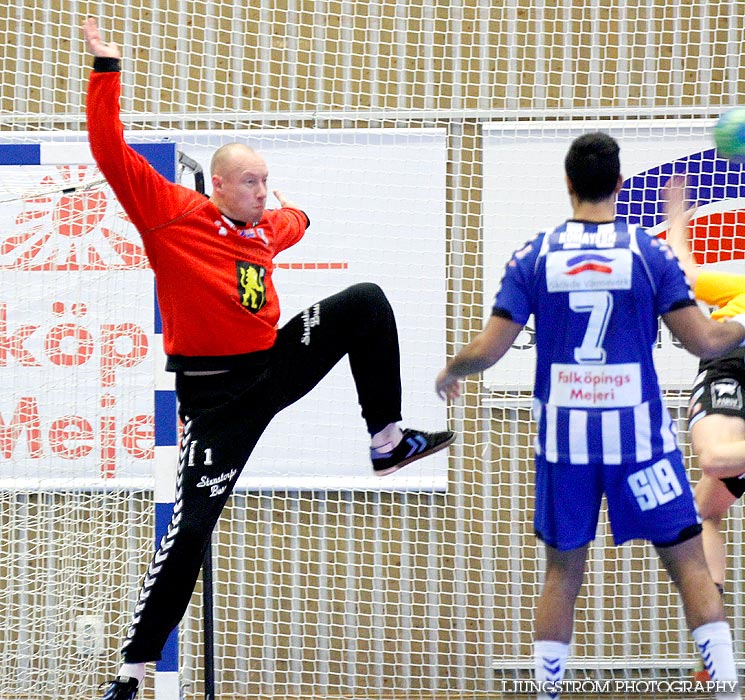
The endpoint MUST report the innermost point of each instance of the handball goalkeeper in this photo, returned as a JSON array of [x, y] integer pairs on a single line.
[[213, 260]]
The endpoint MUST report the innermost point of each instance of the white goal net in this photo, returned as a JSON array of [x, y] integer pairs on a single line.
[[425, 140]]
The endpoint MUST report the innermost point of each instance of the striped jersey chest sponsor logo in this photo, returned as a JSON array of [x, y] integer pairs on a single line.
[[572, 270], [602, 386]]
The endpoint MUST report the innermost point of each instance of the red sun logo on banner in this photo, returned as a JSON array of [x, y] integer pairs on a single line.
[[69, 227]]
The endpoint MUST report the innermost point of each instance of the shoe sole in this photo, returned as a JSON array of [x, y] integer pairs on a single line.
[[414, 458]]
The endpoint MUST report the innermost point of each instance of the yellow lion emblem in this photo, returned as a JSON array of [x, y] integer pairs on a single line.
[[251, 287]]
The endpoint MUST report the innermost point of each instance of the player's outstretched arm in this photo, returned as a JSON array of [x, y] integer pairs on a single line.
[[482, 352], [703, 336], [96, 45], [147, 197], [679, 214]]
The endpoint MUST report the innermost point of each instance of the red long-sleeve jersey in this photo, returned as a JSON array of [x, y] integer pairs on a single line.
[[214, 277]]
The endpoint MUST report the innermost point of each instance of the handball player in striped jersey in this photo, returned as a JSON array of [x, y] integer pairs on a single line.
[[596, 286]]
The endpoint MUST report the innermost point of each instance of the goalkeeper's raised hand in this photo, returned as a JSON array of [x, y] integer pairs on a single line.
[[95, 44], [679, 214]]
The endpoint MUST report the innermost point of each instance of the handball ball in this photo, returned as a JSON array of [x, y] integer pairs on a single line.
[[729, 135]]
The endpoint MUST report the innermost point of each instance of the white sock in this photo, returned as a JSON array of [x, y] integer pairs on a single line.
[[387, 439], [550, 663], [714, 642], [132, 671]]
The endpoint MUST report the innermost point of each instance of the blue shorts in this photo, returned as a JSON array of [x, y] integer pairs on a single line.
[[647, 500]]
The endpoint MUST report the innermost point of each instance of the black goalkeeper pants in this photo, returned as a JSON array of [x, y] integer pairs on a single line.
[[225, 414]]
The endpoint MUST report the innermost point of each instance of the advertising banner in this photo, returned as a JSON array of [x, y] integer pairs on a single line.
[[78, 359], [525, 193]]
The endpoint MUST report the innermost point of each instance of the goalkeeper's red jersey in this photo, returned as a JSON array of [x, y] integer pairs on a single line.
[[214, 278]]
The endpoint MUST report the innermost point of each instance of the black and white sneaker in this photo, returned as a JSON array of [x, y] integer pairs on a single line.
[[121, 688], [414, 445]]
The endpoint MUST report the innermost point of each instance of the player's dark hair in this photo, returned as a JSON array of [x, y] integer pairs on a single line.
[[593, 166]]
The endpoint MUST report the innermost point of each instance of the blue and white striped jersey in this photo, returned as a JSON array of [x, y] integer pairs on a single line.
[[596, 292]]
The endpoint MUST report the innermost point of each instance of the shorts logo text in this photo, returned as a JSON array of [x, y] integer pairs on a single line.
[[654, 486], [311, 317], [726, 393], [217, 484]]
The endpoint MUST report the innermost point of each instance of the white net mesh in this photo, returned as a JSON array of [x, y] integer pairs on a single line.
[[72, 418], [425, 140]]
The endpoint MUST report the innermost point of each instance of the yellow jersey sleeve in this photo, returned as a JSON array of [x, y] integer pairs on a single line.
[[724, 290]]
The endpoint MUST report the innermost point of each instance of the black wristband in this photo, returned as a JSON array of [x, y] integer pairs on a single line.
[[107, 64]]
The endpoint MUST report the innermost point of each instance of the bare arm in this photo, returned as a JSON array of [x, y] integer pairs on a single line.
[[679, 215], [481, 353], [702, 336], [719, 442]]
